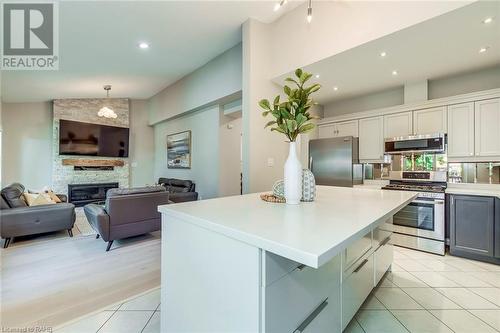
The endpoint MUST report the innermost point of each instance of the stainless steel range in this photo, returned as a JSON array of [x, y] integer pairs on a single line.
[[421, 224]]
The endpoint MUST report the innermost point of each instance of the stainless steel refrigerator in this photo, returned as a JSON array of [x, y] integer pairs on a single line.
[[335, 161]]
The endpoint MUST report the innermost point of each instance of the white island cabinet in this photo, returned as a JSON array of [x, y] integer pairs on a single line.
[[239, 264]]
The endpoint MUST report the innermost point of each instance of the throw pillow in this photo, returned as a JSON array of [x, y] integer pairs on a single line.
[[53, 196], [38, 199]]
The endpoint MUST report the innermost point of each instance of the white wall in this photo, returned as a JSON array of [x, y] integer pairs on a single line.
[[488, 78], [204, 126], [259, 144], [370, 101], [27, 144], [218, 78], [341, 25], [141, 151]]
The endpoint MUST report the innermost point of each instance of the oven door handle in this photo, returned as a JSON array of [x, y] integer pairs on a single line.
[[430, 202]]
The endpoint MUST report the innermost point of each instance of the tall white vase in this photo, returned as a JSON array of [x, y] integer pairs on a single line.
[[293, 177]]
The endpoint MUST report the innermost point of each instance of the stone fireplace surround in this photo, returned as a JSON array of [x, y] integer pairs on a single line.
[[85, 110]]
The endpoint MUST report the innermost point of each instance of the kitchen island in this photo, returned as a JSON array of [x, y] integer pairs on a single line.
[[239, 264]]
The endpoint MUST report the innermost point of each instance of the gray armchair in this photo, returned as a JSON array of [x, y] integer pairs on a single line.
[[18, 219], [127, 213], [180, 190]]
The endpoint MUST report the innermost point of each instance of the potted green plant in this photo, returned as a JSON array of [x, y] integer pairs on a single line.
[[291, 118]]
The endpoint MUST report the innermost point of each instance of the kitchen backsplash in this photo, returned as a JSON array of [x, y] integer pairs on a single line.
[[477, 173], [470, 173]]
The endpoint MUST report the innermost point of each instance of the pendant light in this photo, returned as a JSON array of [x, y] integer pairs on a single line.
[[107, 111]]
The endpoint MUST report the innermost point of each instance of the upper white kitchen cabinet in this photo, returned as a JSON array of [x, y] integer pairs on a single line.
[[345, 128], [487, 127], [326, 131], [430, 121], [371, 138], [461, 130], [398, 124]]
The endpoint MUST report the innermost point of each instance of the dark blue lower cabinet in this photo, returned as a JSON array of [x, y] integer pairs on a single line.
[[497, 229], [474, 227]]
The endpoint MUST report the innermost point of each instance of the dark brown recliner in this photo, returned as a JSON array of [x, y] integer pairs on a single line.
[[179, 190], [18, 219], [127, 213]]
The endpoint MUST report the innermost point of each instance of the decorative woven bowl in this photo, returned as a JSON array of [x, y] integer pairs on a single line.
[[269, 197]]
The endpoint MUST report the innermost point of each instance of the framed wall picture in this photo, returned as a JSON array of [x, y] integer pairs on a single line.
[[179, 150]]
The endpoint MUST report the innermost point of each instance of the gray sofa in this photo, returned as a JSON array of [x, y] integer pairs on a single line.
[[127, 213], [180, 190], [18, 219]]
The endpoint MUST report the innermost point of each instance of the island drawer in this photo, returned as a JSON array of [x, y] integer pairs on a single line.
[[298, 298], [383, 258], [275, 267], [356, 287], [381, 232], [356, 251]]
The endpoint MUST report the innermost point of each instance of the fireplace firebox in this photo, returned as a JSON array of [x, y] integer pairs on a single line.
[[82, 194]]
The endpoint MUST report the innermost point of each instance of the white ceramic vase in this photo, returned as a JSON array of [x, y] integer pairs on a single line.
[[293, 177]]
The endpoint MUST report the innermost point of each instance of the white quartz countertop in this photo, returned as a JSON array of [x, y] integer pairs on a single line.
[[311, 233], [474, 189]]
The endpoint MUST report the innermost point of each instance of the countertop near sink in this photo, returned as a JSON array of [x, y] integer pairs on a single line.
[[488, 190]]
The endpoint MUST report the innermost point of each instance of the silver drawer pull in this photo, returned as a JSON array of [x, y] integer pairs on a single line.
[[360, 266], [385, 241], [311, 317], [301, 267]]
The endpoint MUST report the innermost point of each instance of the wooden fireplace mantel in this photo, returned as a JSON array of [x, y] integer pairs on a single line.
[[92, 162]]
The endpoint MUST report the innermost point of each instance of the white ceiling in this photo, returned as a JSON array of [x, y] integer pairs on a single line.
[[98, 45], [436, 48]]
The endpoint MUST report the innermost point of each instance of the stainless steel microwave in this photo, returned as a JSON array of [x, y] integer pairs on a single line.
[[429, 143]]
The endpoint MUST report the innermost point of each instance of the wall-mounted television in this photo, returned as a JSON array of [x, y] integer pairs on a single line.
[[78, 138]]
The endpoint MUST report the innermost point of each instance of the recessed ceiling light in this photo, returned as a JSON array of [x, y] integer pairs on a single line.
[[317, 76], [394, 72], [488, 20], [143, 45], [335, 88], [484, 49], [383, 54]]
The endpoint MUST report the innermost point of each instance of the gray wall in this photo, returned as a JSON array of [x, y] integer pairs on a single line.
[[192, 103], [483, 79], [141, 154], [217, 79], [488, 78], [230, 154], [371, 101], [204, 126], [27, 144]]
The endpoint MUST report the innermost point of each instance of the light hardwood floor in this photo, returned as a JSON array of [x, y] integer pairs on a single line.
[[52, 282]]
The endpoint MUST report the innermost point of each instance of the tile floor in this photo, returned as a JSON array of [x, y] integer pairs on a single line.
[[424, 293], [139, 315]]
